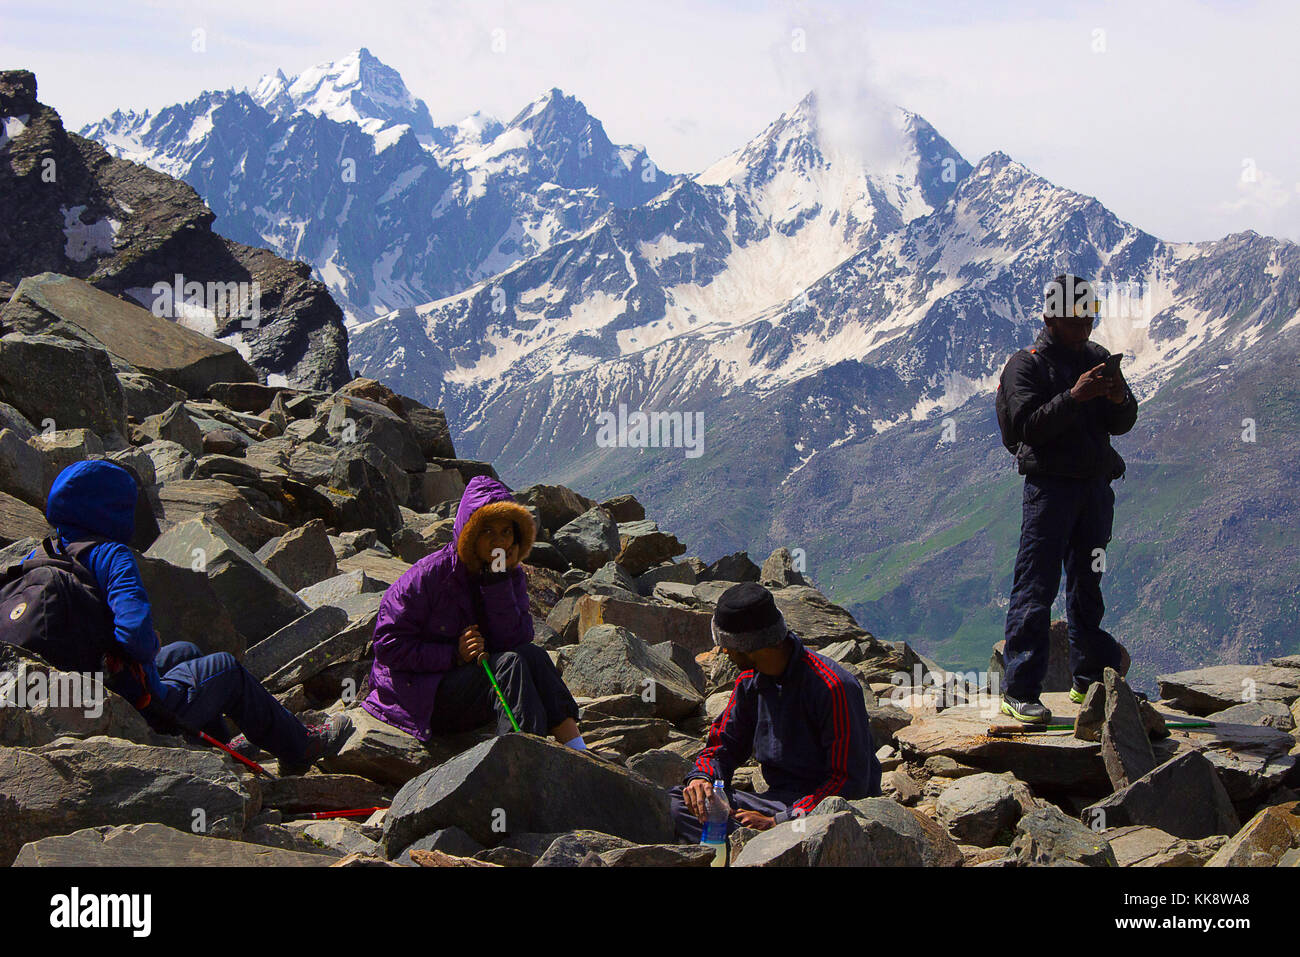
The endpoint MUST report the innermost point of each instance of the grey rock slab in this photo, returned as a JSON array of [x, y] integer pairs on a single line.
[[980, 809], [571, 850], [1125, 747], [259, 603], [778, 570], [63, 380], [156, 845], [344, 585], [530, 785], [294, 639], [156, 346], [961, 733], [659, 855], [346, 645], [900, 836], [1272, 714], [828, 840], [22, 469], [1047, 836], [67, 785], [612, 660], [39, 704], [1183, 797], [388, 755], [589, 541], [1207, 690], [186, 607]]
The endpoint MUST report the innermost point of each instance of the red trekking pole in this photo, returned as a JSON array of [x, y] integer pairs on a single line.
[[209, 739], [326, 815]]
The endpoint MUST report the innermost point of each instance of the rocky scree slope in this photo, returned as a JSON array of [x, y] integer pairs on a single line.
[[307, 504]]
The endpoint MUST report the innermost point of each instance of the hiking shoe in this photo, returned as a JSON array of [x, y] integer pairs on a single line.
[[1030, 712], [323, 741], [244, 748], [1079, 691]]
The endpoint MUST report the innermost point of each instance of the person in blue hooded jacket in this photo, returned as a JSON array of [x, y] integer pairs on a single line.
[[95, 500]]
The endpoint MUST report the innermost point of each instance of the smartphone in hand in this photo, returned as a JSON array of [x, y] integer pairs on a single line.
[[1112, 364]]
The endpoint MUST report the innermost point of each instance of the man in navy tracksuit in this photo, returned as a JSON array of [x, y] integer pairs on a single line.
[[95, 500], [799, 713], [1063, 405]]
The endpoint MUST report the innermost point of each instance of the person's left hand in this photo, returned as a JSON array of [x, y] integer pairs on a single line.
[[755, 819]]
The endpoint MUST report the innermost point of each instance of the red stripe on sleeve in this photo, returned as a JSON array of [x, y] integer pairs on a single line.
[[840, 745], [704, 763]]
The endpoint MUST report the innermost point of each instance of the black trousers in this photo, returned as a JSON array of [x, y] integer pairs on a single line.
[[1064, 522], [537, 694]]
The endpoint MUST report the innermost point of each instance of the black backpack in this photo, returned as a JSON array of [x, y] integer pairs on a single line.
[[50, 604], [1009, 437]]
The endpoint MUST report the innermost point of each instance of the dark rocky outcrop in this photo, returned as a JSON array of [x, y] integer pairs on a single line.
[[124, 227]]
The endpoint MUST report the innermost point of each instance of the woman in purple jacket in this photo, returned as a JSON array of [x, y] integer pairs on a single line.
[[465, 602]]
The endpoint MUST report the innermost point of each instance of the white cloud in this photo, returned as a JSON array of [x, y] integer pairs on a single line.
[[1268, 202]]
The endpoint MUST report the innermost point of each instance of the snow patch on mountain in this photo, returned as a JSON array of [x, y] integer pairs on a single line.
[[400, 184], [954, 390], [86, 240], [12, 127]]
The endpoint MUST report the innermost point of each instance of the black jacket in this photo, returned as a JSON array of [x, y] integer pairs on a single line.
[[1058, 435], [808, 729]]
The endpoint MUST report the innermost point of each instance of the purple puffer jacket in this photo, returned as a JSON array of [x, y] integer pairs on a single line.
[[424, 612]]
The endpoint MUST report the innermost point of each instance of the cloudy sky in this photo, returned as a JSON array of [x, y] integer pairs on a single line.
[[1180, 115]]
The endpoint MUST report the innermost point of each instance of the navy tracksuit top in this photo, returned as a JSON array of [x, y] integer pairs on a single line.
[[807, 727]]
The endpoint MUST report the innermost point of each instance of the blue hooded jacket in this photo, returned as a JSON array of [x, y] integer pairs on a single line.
[[96, 499]]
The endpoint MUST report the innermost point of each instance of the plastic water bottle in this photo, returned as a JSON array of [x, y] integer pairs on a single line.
[[715, 825]]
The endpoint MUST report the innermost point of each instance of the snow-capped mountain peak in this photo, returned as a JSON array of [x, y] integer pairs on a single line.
[[357, 88], [296, 162], [792, 136], [882, 166], [551, 104], [471, 134], [555, 134]]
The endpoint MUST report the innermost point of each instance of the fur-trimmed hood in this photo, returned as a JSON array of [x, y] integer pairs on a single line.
[[485, 498]]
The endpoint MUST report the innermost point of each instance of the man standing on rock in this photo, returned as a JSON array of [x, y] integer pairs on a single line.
[[799, 713], [1058, 404]]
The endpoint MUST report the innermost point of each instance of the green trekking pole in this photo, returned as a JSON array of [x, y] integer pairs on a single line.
[[1013, 730], [500, 697]]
